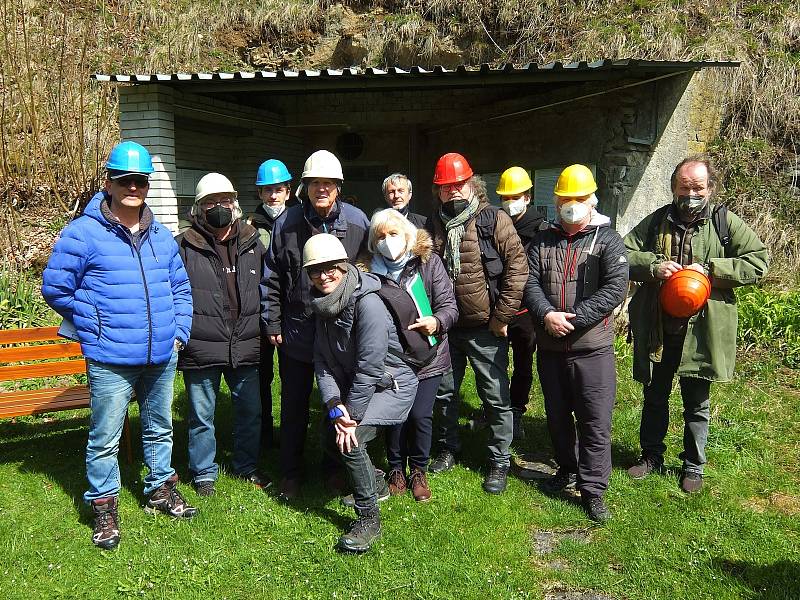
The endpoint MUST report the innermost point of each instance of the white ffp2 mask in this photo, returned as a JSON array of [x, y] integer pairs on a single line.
[[392, 246]]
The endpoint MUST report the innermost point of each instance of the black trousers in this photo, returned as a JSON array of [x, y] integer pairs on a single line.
[[297, 382], [266, 375], [583, 384], [522, 338], [655, 411], [411, 441]]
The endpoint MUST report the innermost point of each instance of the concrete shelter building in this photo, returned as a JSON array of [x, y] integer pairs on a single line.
[[631, 121]]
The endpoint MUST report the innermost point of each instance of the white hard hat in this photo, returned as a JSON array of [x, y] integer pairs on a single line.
[[323, 248], [323, 164], [213, 183]]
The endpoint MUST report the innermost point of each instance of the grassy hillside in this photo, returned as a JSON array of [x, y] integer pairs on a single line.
[[56, 125]]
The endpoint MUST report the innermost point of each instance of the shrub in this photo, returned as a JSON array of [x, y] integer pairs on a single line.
[[770, 320], [21, 302]]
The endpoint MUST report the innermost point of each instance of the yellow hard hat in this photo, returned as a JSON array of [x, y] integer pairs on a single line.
[[513, 181], [575, 181]]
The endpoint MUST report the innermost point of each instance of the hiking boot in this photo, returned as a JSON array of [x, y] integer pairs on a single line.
[[168, 500], [257, 479], [496, 478], [645, 466], [382, 491], [691, 482], [444, 461], [519, 430], [596, 509], [559, 482], [363, 532], [419, 485], [289, 489], [106, 523], [397, 482], [204, 488]]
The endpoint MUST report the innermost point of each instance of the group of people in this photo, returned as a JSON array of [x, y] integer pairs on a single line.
[[384, 313]]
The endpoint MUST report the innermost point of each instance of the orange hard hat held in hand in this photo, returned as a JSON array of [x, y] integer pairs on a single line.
[[685, 293]]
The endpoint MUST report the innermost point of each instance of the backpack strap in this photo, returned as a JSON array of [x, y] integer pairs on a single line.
[[652, 231], [720, 219]]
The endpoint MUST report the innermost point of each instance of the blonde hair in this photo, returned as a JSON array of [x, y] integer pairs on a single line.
[[383, 219]]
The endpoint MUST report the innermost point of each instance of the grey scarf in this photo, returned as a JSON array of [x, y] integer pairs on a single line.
[[331, 305], [455, 232]]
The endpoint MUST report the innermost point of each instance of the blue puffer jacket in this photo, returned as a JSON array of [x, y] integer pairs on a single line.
[[129, 301]]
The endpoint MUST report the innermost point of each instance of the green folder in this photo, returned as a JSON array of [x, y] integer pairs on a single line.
[[416, 289]]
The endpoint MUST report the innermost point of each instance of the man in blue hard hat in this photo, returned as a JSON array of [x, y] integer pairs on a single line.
[[273, 185], [116, 274]]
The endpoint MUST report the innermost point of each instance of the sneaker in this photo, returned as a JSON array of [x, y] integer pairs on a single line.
[[168, 500], [519, 430], [257, 479], [383, 492], [559, 482], [496, 479], [106, 523], [691, 482], [444, 461], [596, 509], [645, 466], [288, 489], [397, 482], [204, 488], [419, 485], [363, 532]]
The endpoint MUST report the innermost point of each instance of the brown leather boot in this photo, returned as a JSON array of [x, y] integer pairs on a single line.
[[397, 482], [418, 481]]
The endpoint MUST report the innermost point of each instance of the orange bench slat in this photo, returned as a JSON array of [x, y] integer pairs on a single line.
[[48, 369], [22, 353], [32, 402], [30, 334]]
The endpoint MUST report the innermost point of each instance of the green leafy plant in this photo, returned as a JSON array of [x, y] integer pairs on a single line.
[[21, 302], [770, 320]]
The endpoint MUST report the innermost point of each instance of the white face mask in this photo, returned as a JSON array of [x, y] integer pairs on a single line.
[[573, 212], [392, 246], [514, 207], [274, 211]]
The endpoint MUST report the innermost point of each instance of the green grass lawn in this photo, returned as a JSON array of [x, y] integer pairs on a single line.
[[738, 538]]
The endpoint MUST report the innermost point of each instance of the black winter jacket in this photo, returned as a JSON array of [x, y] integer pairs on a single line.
[[564, 278], [286, 288], [215, 339]]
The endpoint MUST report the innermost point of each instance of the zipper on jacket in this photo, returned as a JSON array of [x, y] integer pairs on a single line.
[[149, 315]]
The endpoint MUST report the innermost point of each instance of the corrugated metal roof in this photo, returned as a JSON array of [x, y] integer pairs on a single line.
[[553, 70]]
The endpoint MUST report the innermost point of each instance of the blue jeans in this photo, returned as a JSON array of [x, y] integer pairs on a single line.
[[488, 356], [110, 389], [202, 388]]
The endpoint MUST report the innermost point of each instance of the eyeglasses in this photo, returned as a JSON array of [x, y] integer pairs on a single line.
[[212, 203], [459, 185], [316, 273], [138, 180]]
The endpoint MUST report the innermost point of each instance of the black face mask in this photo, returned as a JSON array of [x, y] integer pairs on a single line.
[[454, 207], [218, 216]]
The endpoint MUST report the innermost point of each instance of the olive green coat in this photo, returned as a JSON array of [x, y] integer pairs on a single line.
[[709, 350]]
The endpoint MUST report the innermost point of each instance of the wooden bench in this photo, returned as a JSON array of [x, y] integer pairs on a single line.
[[32, 353]]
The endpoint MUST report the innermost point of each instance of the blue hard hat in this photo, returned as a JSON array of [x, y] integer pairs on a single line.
[[272, 171], [130, 157]]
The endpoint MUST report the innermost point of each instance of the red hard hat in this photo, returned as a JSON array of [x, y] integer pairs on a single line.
[[451, 168], [685, 293]]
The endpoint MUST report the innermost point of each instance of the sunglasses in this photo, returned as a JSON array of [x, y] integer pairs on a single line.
[[138, 180]]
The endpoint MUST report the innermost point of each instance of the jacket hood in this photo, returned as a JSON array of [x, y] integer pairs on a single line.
[[197, 236], [369, 283]]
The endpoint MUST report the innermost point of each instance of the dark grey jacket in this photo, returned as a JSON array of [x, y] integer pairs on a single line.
[[564, 278], [440, 293], [357, 359]]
